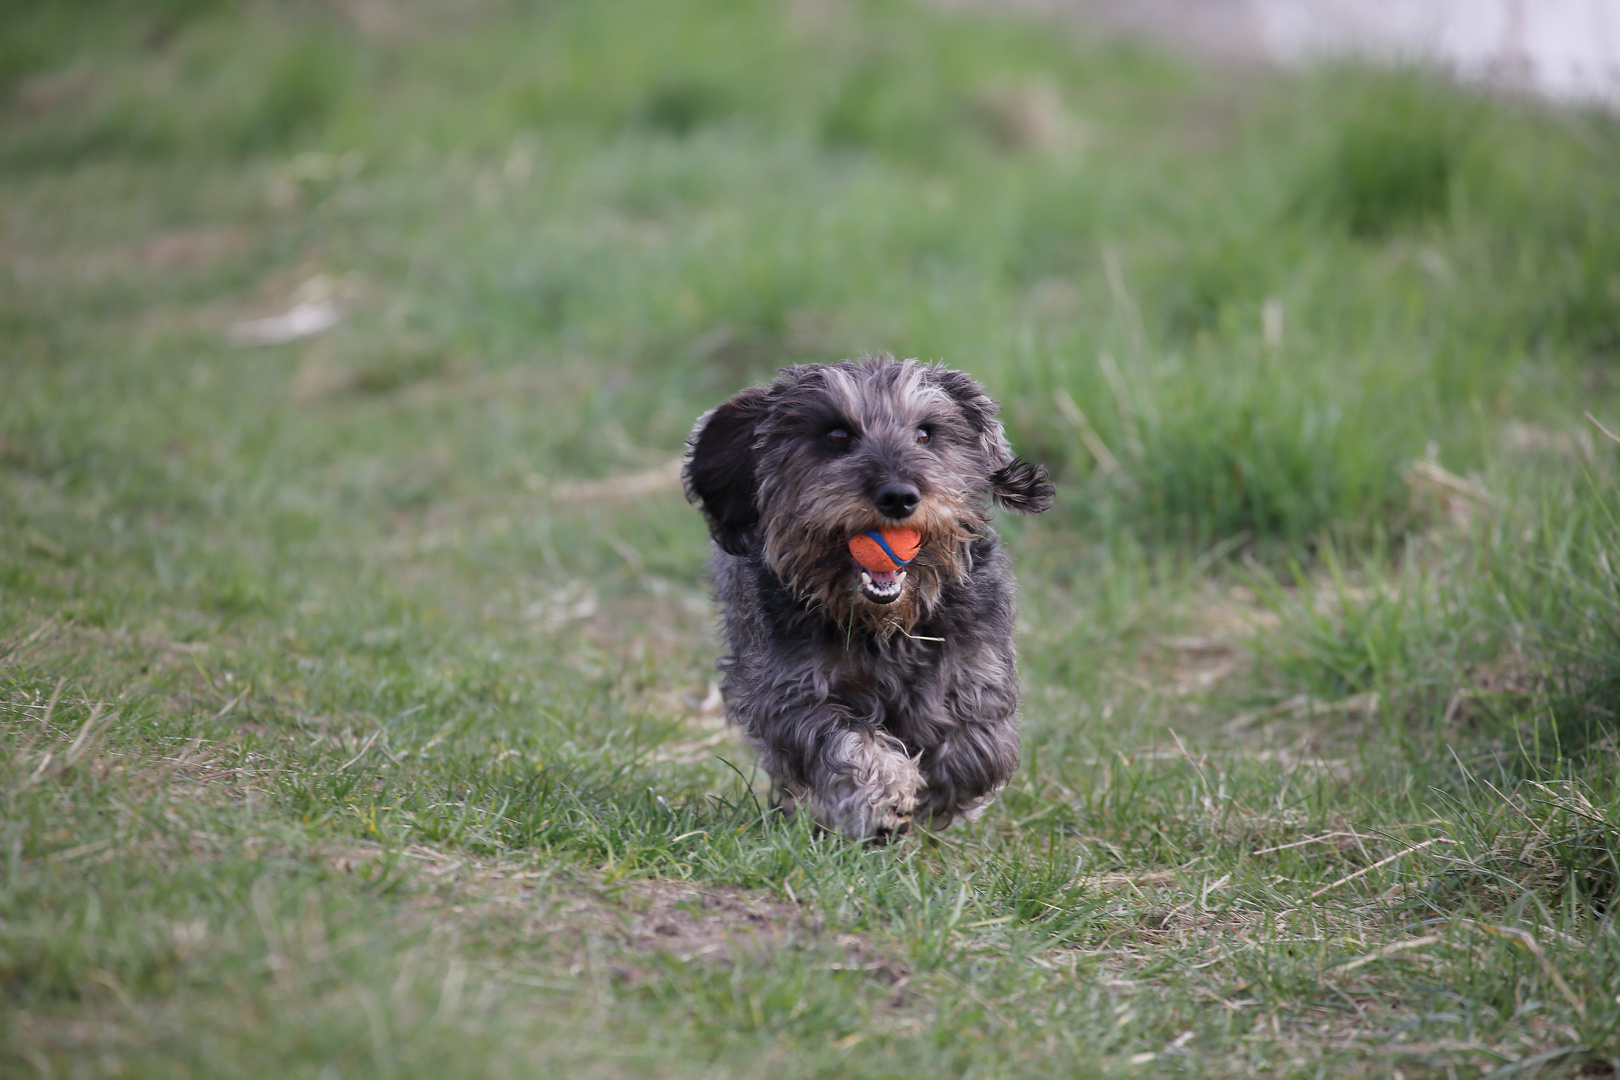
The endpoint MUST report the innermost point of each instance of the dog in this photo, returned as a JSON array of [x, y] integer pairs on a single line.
[[872, 703]]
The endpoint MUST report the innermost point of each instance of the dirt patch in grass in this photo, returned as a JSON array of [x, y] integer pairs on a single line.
[[710, 922], [582, 916]]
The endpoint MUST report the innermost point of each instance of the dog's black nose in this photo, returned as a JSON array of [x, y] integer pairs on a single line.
[[896, 500]]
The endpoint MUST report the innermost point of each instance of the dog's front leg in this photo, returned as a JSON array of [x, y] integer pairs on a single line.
[[851, 778], [964, 772], [868, 786]]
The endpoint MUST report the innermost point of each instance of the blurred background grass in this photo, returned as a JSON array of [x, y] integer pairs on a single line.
[[1306, 352], [659, 204]]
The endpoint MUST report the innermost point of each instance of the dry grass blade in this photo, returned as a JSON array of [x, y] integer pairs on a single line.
[[16, 650], [81, 742], [44, 763], [233, 703], [1324, 838], [50, 706], [1388, 950], [686, 753], [368, 743], [1528, 940], [1365, 703], [1510, 804], [44, 721], [1424, 471], [1078, 420], [85, 731], [1365, 870], [79, 852], [1607, 433]]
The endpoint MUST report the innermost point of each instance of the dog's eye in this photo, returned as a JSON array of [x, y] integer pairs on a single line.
[[838, 437], [923, 436]]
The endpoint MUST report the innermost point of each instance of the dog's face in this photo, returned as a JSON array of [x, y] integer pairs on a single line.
[[828, 451]]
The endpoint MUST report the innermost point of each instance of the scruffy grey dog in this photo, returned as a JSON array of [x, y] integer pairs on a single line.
[[872, 698]]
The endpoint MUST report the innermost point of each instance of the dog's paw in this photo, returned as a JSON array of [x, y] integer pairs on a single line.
[[875, 793], [891, 815]]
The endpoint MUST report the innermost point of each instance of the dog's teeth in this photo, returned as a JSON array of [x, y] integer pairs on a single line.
[[899, 579], [866, 579]]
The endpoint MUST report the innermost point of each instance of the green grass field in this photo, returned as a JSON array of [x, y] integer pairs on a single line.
[[355, 704]]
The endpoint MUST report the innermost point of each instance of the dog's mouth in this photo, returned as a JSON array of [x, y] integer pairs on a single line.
[[881, 556], [882, 586]]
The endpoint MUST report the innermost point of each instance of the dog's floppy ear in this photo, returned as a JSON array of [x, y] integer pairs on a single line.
[[719, 473], [1015, 484], [1023, 486]]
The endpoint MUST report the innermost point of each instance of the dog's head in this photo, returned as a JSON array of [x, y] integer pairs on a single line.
[[827, 451]]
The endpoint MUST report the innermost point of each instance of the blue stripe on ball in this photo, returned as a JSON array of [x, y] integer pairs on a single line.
[[877, 537]]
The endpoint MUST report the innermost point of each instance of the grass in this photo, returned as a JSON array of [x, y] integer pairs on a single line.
[[354, 691]]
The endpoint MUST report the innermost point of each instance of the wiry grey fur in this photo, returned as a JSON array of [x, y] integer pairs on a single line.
[[868, 714]]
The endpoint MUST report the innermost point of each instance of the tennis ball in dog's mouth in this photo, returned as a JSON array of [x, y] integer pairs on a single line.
[[884, 551]]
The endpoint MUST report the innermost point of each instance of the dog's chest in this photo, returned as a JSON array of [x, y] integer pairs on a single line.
[[902, 695]]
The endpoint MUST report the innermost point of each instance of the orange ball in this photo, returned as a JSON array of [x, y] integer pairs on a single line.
[[870, 554]]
